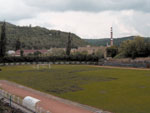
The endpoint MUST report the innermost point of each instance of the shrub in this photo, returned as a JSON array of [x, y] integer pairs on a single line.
[[50, 58]]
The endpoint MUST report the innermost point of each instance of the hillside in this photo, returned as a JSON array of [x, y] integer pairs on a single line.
[[38, 37], [103, 42], [42, 38]]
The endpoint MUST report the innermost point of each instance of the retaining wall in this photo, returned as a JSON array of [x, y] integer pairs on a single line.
[[29, 63], [135, 64], [130, 63]]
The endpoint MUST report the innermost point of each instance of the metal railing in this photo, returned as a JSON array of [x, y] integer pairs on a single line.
[[13, 99]]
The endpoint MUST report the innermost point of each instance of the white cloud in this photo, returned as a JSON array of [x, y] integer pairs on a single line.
[[16, 9], [93, 25], [90, 5], [86, 18]]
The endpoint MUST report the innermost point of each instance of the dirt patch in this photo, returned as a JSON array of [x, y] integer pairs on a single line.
[[82, 70], [72, 88], [103, 92]]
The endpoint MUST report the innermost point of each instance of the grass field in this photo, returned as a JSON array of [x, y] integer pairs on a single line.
[[115, 90]]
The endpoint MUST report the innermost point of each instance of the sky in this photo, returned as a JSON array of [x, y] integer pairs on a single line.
[[86, 18]]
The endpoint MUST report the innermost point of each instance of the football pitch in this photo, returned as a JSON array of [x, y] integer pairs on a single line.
[[112, 89]]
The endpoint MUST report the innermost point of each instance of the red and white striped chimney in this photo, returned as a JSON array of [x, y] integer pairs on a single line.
[[111, 37]]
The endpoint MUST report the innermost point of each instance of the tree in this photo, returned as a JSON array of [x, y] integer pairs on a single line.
[[84, 52], [147, 49], [3, 40], [37, 53], [100, 53], [18, 45], [112, 51], [21, 53], [128, 49], [57, 52], [68, 49], [135, 48]]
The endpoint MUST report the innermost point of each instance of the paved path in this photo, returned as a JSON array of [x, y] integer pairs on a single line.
[[48, 102]]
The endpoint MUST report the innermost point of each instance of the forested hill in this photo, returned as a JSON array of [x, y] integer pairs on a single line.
[[103, 42], [42, 38], [38, 37]]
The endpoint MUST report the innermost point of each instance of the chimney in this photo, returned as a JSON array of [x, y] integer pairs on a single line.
[[111, 39]]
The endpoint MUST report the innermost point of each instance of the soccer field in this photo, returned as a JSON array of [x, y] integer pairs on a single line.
[[115, 90]]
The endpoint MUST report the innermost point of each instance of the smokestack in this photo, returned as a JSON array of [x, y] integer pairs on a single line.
[[111, 37]]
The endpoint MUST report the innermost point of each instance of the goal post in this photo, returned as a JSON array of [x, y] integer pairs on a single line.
[[42, 66]]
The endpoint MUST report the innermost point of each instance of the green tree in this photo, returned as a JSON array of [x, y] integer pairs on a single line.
[[21, 53], [135, 48], [3, 40], [100, 53], [18, 45], [147, 49], [128, 49], [84, 52], [68, 49], [37, 53], [112, 51]]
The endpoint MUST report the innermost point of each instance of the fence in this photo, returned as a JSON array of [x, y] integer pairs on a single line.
[[137, 64], [62, 63], [19, 101]]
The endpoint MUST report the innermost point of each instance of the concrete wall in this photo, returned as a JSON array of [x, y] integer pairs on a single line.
[[130, 63], [136, 64]]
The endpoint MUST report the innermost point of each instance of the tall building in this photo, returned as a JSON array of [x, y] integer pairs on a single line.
[[111, 37]]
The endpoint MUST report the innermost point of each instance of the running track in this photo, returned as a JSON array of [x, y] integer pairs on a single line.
[[48, 102]]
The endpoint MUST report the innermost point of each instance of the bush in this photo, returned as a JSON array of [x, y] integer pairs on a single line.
[[112, 51], [148, 65], [50, 58], [135, 48], [120, 55]]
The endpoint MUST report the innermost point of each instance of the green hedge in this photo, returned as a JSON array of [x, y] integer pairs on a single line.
[[50, 59]]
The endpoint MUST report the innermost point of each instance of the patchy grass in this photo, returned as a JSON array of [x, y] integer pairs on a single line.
[[116, 90]]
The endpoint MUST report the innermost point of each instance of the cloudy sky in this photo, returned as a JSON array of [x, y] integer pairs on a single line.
[[86, 18]]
